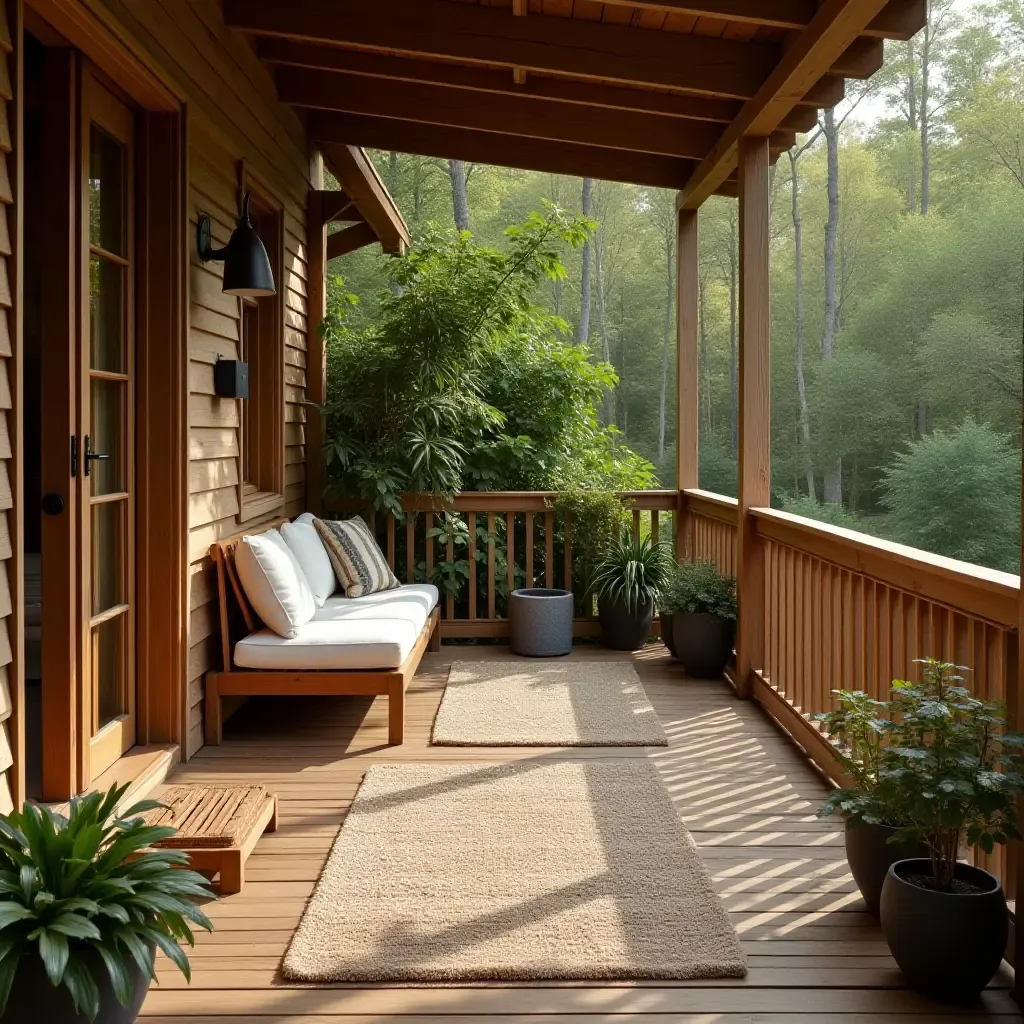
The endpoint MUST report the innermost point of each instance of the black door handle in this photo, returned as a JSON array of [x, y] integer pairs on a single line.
[[91, 456], [52, 504]]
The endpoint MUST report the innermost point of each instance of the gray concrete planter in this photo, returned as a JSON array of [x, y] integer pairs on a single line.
[[540, 622]]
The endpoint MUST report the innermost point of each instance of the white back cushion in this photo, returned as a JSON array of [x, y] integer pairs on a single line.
[[274, 583], [309, 551]]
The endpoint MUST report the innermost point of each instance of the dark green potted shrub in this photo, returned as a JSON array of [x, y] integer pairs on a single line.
[[84, 903], [628, 581], [859, 728], [954, 771], [703, 603]]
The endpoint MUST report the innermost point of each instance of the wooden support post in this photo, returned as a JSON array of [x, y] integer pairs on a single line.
[[316, 371], [754, 406], [1015, 853], [688, 372]]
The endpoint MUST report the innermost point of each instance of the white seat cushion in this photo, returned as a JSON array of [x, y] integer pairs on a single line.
[[274, 582], [373, 632]]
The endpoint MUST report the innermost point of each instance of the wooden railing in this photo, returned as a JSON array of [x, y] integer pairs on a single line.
[[843, 610], [485, 544]]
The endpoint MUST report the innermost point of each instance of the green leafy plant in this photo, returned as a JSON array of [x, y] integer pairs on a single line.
[[597, 518], [633, 572], [935, 761], [86, 888], [700, 587]]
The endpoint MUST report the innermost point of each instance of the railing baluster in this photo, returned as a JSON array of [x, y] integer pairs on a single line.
[[529, 549], [490, 565], [549, 550], [510, 552], [428, 525], [471, 555], [410, 547], [567, 556], [451, 597], [636, 525], [655, 533], [391, 539]]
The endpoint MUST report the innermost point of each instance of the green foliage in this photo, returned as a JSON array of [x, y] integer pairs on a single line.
[[633, 572], [89, 883], [957, 493], [463, 381], [598, 518], [700, 587], [934, 761], [830, 512]]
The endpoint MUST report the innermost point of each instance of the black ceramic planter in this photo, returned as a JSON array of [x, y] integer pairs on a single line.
[[703, 643], [622, 628], [667, 631], [33, 1000], [871, 855], [948, 945]]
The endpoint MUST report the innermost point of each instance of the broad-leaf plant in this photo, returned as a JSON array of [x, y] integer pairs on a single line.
[[934, 760], [700, 587], [88, 889]]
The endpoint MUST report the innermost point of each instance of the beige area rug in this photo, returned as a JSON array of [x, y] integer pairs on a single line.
[[546, 704], [529, 870]]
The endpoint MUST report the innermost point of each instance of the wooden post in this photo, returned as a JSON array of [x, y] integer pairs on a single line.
[[754, 406], [688, 371], [316, 370], [1014, 857]]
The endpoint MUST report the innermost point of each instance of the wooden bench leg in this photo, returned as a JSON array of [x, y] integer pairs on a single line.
[[435, 638], [396, 712], [232, 871], [212, 711]]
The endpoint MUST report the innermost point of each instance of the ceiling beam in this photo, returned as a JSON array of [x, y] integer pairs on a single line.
[[359, 178], [520, 116], [349, 239], [489, 35], [836, 25], [899, 19], [498, 82], [329, 129]]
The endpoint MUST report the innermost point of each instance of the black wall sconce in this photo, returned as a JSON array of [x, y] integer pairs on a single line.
[[246, 265]]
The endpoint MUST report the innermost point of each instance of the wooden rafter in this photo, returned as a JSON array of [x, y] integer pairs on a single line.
[[522, 116], [837, 24], [503, 150], [359, 179], [897, 20], [592, 94], [439, 28], [349, 239]]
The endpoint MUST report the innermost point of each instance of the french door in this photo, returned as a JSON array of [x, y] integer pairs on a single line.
[[105, 453]]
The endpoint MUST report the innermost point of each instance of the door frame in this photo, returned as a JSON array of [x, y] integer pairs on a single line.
[[161, 420]]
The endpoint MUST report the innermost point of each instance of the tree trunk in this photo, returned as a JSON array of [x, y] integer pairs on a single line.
[[912, 120], [704, 389], [583, 327], [460, 204], [834, 473], [393, 173], [417, 189], [801, 388], [925, 114], [734, 380], [606, 351], [666, 341]]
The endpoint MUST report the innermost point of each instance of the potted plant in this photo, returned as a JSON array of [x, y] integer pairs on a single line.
[[859, 729], [703, 604], [628, 581], [84, 902], [954, 771]]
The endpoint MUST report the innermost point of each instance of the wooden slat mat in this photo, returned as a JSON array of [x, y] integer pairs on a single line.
[[208, 817]]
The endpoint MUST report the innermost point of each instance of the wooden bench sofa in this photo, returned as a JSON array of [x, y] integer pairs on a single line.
[[238, 620]]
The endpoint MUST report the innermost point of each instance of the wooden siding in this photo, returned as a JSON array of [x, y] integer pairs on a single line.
[[235, 121], [7, 468]]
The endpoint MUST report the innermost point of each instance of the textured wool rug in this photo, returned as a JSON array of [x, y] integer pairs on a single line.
[[546, 704], [519, 871]]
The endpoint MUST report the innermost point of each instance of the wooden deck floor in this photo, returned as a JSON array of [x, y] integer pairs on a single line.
[[745, 793]]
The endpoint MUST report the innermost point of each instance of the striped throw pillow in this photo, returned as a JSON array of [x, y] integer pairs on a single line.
[[358, 561]]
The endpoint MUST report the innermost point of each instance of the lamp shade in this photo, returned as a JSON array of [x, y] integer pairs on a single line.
[[247, 269]]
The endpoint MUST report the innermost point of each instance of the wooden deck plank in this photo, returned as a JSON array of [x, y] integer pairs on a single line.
[[747, 795]]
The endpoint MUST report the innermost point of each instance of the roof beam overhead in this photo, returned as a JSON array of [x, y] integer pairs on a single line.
[[492, 80], [328, 129], [837, 24], [899, 19], [489, 35], [523, 117]]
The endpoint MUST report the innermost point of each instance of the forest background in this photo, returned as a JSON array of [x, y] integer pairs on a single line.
[[897, 275]]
